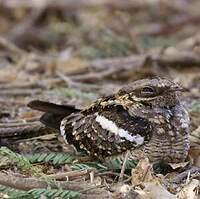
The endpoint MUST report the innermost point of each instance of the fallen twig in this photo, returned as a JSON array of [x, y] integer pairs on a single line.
[[173, 184], [18, 121], [11, 46], [28, 131], [20, 92], [110, 173], [73, 84], [177, 58], [180, 58], [182, 177], [82, 4], [124, 166], [173, 25], [103, 64], [20, 85], [13, 124], [33, 183], [71, 174]]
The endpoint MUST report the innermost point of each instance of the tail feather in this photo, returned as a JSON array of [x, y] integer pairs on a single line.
[[53, 113], [52, 108]]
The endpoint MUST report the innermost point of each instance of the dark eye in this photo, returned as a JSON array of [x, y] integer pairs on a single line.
[[148, 89], [121, 92]]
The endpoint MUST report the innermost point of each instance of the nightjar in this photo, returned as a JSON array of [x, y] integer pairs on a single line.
[[144, 116]]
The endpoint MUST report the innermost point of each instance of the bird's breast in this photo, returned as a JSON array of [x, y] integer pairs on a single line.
[[163, 148], [170, 140]]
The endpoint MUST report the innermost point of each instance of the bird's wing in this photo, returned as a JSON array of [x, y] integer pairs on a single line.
[[106, 128]]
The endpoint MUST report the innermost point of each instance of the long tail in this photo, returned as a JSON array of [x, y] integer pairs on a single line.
[[54, 113]]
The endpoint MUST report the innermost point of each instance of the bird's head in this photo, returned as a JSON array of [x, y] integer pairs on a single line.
[[155, 92]]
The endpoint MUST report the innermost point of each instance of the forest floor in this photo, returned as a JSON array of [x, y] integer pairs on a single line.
[[72, 52]]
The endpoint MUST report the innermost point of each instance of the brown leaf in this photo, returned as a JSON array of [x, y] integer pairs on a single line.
[[72, 66], [142, 172], [179, 165], [157, 191], [195, 155], [190, 191]]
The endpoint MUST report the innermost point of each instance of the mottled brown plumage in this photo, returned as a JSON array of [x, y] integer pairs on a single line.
[[145, 117]]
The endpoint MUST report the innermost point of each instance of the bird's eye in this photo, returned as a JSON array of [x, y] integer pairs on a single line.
[[121, 92], [148, 89]]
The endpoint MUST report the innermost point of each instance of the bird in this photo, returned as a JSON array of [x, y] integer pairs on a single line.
[[145, 116]]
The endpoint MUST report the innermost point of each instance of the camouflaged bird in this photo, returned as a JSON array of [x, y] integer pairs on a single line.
[[145, 115]]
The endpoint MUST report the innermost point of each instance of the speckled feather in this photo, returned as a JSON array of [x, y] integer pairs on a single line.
[[145, 117], [101, 142]]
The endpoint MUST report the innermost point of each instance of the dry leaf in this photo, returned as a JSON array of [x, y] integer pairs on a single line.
[[179, 165], [98, 181], [142, 172], [195, 155], [190, 191], [72, 66], [195, 137], [156, 191], [127, 192]]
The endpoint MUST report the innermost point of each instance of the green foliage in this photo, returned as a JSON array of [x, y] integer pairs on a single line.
[[111, 45], [195, 107], [99, 167], [52, 158], [37, 193], [108, 44], [15, 193], [59, 158], [149, 42], [114, 165], [21, 161], [53, 193], [117, 163]]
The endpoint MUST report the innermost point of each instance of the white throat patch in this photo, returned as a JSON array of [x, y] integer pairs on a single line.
[[112, 127]]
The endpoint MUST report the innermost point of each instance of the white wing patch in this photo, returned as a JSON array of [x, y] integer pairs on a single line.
[[112, 127], [62, 128]]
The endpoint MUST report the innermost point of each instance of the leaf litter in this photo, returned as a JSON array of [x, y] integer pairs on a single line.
[[72, 52]]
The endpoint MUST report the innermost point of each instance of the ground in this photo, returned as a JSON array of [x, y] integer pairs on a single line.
[[72, 52]]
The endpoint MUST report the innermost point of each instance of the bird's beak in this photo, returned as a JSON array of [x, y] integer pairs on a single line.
[[179, 88]]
